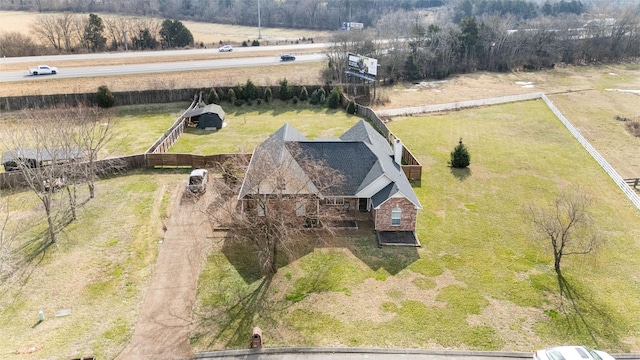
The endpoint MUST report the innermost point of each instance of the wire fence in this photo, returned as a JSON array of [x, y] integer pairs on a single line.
[[622, 184]]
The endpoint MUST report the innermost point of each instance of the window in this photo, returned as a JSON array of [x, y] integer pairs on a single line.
[[261, 209], [300, 210], [396, 215], [334, 201]]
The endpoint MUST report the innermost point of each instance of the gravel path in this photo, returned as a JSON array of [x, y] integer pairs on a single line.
[[164, 322]]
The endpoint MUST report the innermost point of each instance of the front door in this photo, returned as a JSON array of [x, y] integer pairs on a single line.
[[362, 204]]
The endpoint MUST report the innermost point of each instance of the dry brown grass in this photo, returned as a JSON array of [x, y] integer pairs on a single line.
[[207, 33]]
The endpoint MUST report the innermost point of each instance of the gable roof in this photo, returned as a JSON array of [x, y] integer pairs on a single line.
[[211, 108], [361, 156]]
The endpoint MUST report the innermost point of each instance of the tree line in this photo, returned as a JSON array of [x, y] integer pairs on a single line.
[[420, 48], [76, 33]]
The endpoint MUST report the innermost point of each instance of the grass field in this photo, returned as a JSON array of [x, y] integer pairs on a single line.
[[480, 281]]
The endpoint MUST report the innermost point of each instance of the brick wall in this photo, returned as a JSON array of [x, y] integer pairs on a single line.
[[382, 216]]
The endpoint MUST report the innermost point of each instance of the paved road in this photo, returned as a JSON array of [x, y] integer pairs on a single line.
[[371, 354], [360, 353], [113, 70]]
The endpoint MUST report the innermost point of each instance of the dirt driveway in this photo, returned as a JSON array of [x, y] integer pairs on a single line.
[[164, 321]]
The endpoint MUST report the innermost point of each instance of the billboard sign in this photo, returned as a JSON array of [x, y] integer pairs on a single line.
[[363, 65], [352, 26]]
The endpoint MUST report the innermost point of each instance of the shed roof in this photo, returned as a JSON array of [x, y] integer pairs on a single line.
[[211, 108]]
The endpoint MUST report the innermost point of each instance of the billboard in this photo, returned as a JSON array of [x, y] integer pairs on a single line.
[[352, 26], [363, 65]]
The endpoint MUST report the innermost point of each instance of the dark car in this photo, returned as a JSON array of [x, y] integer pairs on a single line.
[[287, 57]]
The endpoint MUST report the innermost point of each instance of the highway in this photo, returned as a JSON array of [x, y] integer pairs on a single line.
[[186, 65]]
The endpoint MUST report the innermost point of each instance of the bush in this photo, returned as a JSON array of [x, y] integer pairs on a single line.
[[104, 97], [294, 100], [239, 90], [304, 94], [250, 90], [334, 98], [351, 107], [285, 90], [238, 102], [268, 95], [460, 157], [258, 101], [255, 43], [244, 44], [633, 127], [231, 96], [213, 97], [317, 97]]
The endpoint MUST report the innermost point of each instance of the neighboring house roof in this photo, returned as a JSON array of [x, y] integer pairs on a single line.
[[361, 155], [211, 108], [42, 154]]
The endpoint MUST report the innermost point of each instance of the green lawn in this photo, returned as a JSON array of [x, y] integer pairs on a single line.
[[480, 281], [97, 269], [248, 126]]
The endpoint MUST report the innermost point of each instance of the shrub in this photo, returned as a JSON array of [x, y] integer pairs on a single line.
[[250, 90], [351, 107], [294, 100], [255, 43], [104, 97], [304, 94], [213, 97], [633, 127], [460, 157], [334, 98], [244, 43], [238, 102], [267, 95], [231, 96], [314, 99], [285, 90], [258, 101], [239, 90]]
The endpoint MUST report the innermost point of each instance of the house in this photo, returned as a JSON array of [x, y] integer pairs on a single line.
[[208, 117], [12, 160], [371, 179]]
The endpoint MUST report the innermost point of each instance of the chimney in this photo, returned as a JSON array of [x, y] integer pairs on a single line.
[[397, 151]]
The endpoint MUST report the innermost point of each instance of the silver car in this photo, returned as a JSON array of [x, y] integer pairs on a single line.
[[198, 181], [571, 353]]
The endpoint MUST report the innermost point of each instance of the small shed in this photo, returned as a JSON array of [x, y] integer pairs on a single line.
[[208, 117], [11, 160]]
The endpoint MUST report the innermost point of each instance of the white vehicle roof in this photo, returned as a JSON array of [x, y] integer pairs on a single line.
[[198, 172]]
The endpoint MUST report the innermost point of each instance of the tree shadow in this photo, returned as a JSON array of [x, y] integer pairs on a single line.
[[460, 174], [235, 324], [584, 314], [243, 255]]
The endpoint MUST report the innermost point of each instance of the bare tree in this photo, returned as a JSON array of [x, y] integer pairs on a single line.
[[279, 202], [57, 30], [566, 223]]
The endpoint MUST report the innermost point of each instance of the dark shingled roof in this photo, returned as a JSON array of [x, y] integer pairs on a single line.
[[361, 156]]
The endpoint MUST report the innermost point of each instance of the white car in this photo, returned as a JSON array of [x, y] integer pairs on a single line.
[[225, 48], [571, 353], [43, 70], [198, 181]]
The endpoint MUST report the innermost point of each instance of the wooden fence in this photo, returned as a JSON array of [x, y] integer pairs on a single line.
[[123, 164], [165, 141], [411, 166]]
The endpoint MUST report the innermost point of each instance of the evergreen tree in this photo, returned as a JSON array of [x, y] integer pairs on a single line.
[[250, 91], [304, 94], [174, 34], [460, 157], [334, 98], [104, 97], [268, 95], [213, 97], [231, 96], [93, 33], [285, 90]]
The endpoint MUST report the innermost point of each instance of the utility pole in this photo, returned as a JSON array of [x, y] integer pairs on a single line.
[[259, 36]]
